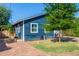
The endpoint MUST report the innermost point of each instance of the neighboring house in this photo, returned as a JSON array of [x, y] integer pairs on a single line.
[[32, 28]]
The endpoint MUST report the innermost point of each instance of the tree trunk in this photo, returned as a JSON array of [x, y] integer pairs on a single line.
[[59, 38], [60, 35]]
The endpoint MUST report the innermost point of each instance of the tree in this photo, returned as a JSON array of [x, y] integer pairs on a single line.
[[9, 27], [74, 31], [4, 17], [60, 16]]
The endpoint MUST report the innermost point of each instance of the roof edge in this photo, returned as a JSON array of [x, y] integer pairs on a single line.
[[30, 17]]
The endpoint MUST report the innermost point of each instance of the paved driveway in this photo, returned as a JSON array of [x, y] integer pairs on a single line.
[[21, 49]]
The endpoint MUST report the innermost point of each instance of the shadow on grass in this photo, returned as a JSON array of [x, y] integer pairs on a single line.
[[65, 39]]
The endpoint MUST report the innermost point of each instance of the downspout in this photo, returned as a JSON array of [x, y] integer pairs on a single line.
[[23, 32]]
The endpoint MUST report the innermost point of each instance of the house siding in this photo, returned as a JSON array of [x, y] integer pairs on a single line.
[[36, 36], [27, 33], [19, 30]]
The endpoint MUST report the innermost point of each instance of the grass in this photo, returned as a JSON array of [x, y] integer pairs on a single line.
[[57, 47]]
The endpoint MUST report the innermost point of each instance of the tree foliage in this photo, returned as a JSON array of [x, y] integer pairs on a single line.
[[60, 16], [9, 27], [4, 18], [74, 31]]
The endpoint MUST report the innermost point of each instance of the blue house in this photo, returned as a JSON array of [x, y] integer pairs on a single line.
[[31, 28]]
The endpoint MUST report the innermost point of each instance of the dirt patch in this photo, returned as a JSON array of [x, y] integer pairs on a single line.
[[21, 49]]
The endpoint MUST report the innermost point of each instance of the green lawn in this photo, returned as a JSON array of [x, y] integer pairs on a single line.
[[57, 47]]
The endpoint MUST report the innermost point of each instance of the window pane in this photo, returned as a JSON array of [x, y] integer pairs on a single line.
[[33, 30], [34, 27]]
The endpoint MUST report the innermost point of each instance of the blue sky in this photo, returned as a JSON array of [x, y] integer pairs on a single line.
[[24, 10]]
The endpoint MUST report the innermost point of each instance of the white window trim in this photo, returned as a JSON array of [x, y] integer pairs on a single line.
[[31, 28]]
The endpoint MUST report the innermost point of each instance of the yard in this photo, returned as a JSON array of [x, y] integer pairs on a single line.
[[41, 48], [44, 48], [56, 48]]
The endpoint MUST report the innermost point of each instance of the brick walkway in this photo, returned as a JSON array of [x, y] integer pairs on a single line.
[[21, 49]]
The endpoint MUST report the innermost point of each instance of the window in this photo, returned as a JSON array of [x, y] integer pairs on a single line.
[[34, 28]]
